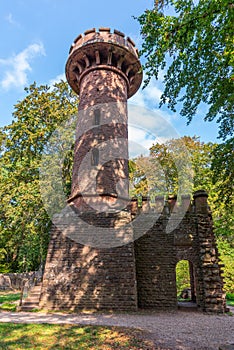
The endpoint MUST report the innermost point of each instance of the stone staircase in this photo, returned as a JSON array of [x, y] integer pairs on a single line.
[[32, 301]]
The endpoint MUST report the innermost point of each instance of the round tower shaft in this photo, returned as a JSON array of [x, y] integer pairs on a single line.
[[104, 69]]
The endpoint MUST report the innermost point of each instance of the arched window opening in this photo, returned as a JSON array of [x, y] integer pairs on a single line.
[[95, 157], [185, 282], [97, 117]]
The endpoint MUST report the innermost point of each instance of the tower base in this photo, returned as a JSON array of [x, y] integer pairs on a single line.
[[80, 277]]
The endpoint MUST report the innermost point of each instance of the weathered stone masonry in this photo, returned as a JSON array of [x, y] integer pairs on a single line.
[[158, 252], [104, 69]]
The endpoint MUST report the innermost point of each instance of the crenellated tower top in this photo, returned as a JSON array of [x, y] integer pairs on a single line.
[[102, 49]]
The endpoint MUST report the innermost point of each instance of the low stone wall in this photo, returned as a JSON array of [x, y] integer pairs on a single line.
[[11, 281]]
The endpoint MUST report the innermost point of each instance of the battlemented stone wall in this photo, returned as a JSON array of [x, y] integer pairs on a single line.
[[140, 274], [157, 253]]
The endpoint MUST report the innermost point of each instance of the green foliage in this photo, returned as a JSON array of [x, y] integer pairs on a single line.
[[192, 41], [24, 222], [8, 297], [230, 296], [198, 39], [226, 251], [182, 276], [179, 164], [8, 301], [223, 166], [185, 165], [8, 307], [60, 337], [230, 299]]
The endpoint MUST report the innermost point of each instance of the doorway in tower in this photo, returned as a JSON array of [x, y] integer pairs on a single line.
[[185, 283]]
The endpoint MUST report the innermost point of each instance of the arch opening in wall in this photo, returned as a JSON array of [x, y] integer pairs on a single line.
[[185, 282]]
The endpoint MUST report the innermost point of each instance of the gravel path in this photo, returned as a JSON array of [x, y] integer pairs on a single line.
[[180, 330]]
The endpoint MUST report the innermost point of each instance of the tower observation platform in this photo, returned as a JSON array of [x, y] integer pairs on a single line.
[[101, 49]]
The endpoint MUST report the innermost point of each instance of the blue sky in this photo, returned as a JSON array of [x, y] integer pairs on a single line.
[[35, 40]]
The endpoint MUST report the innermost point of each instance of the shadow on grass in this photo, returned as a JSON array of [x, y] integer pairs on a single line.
[[56, 337]]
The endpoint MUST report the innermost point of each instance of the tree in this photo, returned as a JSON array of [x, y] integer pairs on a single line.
[[192, 41], [195, 46], [185, 159], [190, 161], [24, 222]]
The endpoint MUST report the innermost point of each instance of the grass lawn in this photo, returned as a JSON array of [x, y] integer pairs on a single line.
[[9, 300], [9, 297], [230, 299], [64, 337]]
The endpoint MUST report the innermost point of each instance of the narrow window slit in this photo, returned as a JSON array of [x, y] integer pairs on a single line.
[[95, 157], [97, 116]]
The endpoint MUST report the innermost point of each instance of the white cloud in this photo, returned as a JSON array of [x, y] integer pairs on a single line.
[[147, 127], [139, 141], [18, 66], [10, 19], [148, 96], [57, 79]]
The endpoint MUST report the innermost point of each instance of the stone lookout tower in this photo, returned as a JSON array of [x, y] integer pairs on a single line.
[[104, 69], [92, 267]]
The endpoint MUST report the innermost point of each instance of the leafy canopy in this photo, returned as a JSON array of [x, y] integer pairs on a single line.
[[194, 44], [189, 160], [24, 222], [184, 159]]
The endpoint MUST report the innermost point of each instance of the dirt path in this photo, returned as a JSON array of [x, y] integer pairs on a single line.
[[180, 330]]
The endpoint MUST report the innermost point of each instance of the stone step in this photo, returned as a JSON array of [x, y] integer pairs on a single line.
[[28, 307], [35, 291], [35, 294], [32, 301], [187, 306]]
